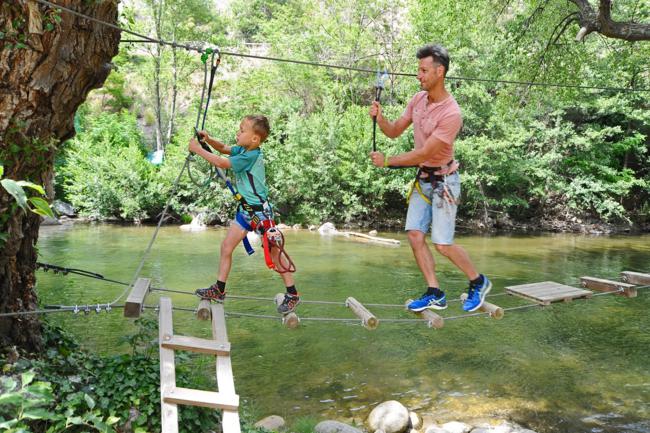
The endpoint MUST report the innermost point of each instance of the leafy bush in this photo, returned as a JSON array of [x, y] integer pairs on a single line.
[[66, 388]]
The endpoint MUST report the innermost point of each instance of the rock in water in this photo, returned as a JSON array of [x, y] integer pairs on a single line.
[[334, 427], [390, 417], [327, 229]]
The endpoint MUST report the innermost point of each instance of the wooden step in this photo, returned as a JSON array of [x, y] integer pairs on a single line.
[[194, 344], [547, 292], [602, 285], [133, 305], [196, 397], [635, 278]]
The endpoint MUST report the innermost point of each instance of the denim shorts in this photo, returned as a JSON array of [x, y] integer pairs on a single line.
[[243, 219], [440, 215]]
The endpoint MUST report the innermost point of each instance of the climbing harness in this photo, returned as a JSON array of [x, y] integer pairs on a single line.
[[437, 176]]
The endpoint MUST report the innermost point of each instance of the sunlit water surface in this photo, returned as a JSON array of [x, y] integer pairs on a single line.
[[582, 366]]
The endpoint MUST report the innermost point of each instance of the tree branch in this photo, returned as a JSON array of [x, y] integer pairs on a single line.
[[601, 22]]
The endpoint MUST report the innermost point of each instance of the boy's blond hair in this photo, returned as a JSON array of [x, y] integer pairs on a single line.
[[260, 125]]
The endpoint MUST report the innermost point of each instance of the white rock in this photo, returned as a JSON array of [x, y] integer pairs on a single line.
[[62, 208], [282, 226], [435, 429], [311, 227], [296, 226], [389, 416], [49, 221], [457, 427], [327, 229], [272, 422], [197, 224], [372, 232], [416, 421], [334, 427]]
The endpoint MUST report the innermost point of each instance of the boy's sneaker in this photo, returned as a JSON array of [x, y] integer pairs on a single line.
[[212, 293], [476, 294], [289, 303], [428, 301]]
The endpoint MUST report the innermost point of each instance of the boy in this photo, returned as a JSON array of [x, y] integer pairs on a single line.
[[247, 162]]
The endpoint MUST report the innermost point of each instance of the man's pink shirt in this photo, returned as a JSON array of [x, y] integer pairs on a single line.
[[442, 120]]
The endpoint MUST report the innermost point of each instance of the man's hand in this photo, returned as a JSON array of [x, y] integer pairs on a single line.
[[375, 109], [377, 159], [194, 146]]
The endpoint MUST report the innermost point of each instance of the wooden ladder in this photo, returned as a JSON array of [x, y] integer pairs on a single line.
[[171, 396]]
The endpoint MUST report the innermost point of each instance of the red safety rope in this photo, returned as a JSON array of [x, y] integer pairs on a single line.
[[272, 237]]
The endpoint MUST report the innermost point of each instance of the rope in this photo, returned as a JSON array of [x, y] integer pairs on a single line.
[[213, 70], [188, 47]]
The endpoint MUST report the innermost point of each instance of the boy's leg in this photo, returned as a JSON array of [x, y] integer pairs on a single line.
[[291, 297], [217, 291], [234, 236]]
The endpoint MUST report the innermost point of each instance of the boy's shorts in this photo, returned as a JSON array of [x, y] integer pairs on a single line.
[[440, 215], [243, 219]]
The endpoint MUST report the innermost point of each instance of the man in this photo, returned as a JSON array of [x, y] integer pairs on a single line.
[[433, 201]]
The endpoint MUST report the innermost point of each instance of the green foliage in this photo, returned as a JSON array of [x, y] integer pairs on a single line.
[[17, 190], [528, 151], [68, 389]]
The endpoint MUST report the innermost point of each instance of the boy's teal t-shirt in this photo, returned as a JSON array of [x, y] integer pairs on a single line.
[[245, 163]]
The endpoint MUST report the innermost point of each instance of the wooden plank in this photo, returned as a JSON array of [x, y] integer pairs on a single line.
[[547, 292], [203, 311], [623, 289], [197, 397], [225, 380], [290, 320], [368, 320], [169, 411], [494, 311], [194, 344], [635, 278], [134, 301], [433, 320]]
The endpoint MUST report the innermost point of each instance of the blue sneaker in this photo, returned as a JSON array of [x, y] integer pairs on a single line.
[[476, 294], [428, 301]]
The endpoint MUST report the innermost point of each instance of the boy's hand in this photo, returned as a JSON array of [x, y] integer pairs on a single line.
[[377, 159], [194, 146], [204, 135], [375, 109]]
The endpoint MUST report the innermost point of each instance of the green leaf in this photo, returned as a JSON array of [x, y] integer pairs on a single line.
[[31, 185], [16, 191], [8, 424], [39, 413], [27, 377], [89, 401], [2, 169], [112, 420], [41, 207], [10, 398]]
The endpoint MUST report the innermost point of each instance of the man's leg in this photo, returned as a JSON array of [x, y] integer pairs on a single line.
[[423, 256], [459, 257], [444, 206], [418, 221]]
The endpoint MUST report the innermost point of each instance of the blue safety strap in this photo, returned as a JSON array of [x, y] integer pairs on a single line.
[[241, 220]]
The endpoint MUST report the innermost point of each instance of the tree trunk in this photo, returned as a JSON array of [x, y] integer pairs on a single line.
[[47, 68]]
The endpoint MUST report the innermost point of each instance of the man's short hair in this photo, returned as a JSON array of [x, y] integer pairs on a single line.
[[437, 52], [260, 125]]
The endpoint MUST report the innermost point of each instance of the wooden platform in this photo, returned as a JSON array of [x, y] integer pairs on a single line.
[[547, 292]]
